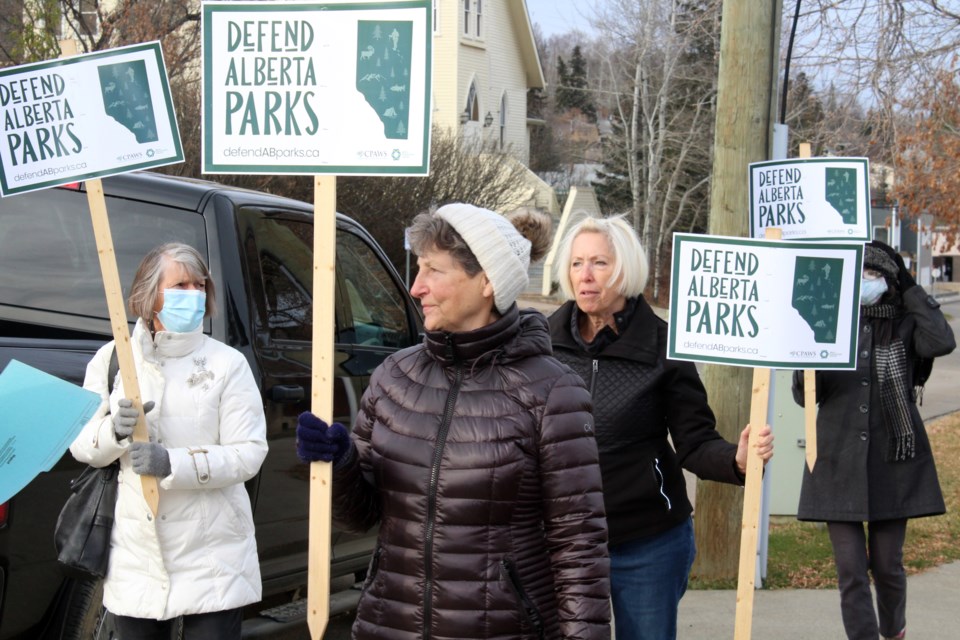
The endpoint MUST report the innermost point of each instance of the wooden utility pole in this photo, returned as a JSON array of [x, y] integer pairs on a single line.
[[746, 104]]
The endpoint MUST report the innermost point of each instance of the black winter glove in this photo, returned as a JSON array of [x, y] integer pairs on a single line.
[[126, 417], [318, 442]]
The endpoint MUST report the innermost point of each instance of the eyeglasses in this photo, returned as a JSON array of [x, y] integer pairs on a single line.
[[872, 274]]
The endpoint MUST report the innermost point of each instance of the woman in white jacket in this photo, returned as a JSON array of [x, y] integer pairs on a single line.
[[198, 558]]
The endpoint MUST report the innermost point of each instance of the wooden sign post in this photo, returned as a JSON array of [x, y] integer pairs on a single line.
[[321, 480], [747, 571], [115, 306], [809, 388]]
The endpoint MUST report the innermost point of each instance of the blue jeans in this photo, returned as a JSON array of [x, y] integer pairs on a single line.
[[647, 579]]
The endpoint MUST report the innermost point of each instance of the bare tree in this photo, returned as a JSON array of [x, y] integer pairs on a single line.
[[460, 171], [664, 91], [880, 52]]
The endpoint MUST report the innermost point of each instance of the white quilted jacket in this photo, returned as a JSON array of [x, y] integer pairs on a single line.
[[199, 554]]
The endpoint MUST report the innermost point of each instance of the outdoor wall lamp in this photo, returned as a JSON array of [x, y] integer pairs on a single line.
[[465, 116], [488, 119]]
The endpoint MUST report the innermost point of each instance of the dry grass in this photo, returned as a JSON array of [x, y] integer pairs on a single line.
[[800, 555]]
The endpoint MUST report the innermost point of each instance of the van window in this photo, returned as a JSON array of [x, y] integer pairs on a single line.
[[370, 307], [373, 312], [47, 247]]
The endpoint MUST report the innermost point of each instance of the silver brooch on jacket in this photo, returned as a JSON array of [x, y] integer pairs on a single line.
[[201, 376]]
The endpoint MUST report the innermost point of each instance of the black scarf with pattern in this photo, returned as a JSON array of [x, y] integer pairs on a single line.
[[890, 364]]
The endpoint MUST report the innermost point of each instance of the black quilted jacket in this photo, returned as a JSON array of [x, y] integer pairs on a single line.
[[475, 453], [639, 398]]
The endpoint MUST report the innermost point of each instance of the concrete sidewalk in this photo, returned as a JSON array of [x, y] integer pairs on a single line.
[[933, 611]]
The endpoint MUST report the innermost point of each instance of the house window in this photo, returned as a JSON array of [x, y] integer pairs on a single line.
[[479, 15], [473, 104], [466, 17], [82, 20]]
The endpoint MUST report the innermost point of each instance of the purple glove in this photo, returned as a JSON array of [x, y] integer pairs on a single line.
[[318, 442]]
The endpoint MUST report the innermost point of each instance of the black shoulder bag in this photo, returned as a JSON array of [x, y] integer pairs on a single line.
[[82, 535]]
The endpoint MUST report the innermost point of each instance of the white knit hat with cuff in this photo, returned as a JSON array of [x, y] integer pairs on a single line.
[[500, 249]]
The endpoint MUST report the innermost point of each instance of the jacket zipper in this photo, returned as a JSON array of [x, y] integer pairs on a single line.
[[656, 469], [593, 375], [529, 609], [432, 495]]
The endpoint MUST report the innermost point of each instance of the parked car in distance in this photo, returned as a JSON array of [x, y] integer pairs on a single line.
[[259, 247]]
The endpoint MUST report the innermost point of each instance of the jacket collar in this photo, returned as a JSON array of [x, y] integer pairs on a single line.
[[166, 344], [514, 335], [639, 341]]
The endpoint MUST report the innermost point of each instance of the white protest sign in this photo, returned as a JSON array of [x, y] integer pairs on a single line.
[[86, 117], [763, 303], [317, 88], [811, 199]]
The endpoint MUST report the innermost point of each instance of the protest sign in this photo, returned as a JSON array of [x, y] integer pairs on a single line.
[[86, 117], [324, 89], [760, 303], [312, 88], [811, 199]]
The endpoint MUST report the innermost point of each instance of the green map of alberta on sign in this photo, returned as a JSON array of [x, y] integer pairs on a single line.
[[816, 294], [841, 192], [125, 89], [383, 72]]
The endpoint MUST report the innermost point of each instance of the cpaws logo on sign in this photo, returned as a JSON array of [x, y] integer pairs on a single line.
[[372, 154], [129, 157]]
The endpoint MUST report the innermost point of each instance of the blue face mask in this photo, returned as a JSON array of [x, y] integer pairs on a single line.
[[871, 290], [183, 309]]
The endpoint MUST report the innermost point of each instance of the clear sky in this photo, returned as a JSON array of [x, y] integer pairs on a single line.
[[559, 16]]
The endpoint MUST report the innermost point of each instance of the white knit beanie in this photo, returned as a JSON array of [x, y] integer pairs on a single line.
[[503, 253]]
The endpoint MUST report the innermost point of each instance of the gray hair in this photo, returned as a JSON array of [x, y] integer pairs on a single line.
[[630, 267], [146, 283], [429, 231]]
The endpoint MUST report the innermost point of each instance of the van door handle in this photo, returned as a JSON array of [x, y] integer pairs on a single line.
[[285, 393]]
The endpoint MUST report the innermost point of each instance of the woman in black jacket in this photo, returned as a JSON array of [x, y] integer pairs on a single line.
[[642, 402], [609, 335], [874, 462], [474, 452]]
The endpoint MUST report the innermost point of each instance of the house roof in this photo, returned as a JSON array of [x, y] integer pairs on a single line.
[[520, 18]]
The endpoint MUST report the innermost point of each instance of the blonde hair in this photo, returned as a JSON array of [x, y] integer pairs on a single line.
[[630, 267]]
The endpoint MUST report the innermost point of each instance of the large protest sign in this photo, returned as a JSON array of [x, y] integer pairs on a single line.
[[763, 303], [313, 88], [811, 199], [86, 117], [324, 89]]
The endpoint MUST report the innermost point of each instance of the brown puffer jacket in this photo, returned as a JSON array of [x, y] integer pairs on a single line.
[[475, 454]]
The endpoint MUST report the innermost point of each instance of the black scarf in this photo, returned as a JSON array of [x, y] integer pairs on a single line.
[[890, 363]]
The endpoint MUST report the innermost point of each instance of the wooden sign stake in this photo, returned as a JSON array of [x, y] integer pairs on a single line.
[[321, 476], [809, 388], [746, 581], [115, 305]]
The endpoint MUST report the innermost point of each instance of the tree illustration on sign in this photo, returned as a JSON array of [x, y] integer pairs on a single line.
[[816, 294], [379, 61], [125, 90]]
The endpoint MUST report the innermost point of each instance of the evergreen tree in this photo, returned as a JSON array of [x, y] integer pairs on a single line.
[[577, 82], [563, 98]]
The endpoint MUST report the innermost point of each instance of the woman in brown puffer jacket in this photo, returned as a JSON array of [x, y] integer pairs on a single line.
[[474, 451]]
